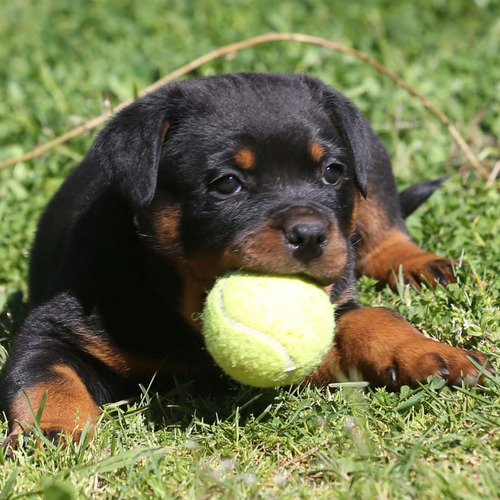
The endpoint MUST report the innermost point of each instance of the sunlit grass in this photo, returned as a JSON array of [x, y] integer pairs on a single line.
[[61, 63]]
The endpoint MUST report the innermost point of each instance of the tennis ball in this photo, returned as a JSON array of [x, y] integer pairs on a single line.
[[267, 331]]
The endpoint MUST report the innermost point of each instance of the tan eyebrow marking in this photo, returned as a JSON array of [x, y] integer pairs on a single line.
[[245, 158], [316, 151]]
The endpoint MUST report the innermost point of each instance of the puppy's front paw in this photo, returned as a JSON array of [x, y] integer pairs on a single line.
[[424, 268], [419, 359], [54, 435], [380, 346], [398, 252]]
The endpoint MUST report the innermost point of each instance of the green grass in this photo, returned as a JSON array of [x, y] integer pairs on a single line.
[[60, 62]]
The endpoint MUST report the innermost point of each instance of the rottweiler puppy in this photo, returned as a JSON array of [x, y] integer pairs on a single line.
[[276, 174]]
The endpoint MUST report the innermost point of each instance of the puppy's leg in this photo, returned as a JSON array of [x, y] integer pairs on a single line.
[[53, 391], [382, 256], [384, 244], [47, 376], [378, 345]]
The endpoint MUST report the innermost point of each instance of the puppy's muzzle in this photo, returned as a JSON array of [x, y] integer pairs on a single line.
[[305, 231]]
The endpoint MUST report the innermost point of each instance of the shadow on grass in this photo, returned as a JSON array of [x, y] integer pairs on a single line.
[[213, 400]]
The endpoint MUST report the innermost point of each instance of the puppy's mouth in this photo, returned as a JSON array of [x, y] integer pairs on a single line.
[[297, 240]]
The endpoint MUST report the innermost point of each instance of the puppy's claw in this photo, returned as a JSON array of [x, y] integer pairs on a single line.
[[10, 443], [443, 370], [439, 276], [54, 436], [391, 375]]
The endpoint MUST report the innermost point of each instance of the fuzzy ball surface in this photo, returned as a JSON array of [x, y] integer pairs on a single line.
[[267, 331]]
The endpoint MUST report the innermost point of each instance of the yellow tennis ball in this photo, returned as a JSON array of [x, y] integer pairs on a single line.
[[267, 331]]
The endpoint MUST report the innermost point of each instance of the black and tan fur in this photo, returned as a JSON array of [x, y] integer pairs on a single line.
[[276, 174]]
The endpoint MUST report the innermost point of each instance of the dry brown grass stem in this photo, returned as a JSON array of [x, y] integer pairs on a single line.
[[236, 47]]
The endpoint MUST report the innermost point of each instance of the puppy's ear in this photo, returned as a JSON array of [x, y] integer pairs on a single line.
[[128, 149], [356, 133], [351, 125]]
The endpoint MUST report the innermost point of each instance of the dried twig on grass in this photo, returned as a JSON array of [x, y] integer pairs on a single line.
[[236, 47]]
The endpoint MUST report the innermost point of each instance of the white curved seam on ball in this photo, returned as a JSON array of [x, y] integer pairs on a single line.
[[290, 364]]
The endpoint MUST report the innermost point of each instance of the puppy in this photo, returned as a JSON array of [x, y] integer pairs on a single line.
[[276, 174]]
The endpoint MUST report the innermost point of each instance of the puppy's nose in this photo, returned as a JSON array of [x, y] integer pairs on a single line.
[[305, 230], [307, 239]]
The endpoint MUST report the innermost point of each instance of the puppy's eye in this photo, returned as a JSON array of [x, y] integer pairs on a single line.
[[227, 185], [332, 174]]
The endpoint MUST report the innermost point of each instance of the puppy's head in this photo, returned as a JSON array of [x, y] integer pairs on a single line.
[[254, 171]]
